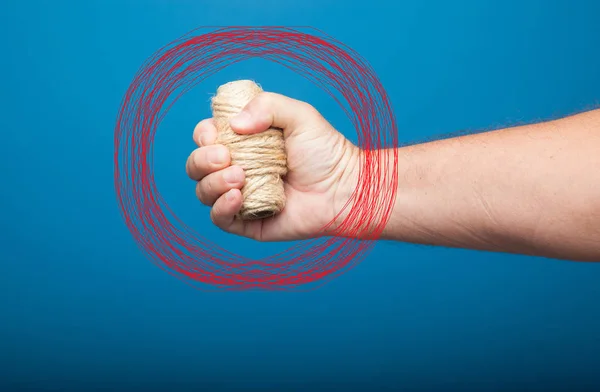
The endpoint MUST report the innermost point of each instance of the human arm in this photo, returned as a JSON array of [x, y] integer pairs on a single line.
[[532, 189]]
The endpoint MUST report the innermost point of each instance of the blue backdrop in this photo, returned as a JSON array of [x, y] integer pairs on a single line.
[[82, 309]]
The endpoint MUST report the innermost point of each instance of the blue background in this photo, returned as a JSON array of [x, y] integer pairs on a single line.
[[82, 309]]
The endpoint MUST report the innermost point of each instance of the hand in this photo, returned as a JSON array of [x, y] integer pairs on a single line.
[[322, 170]]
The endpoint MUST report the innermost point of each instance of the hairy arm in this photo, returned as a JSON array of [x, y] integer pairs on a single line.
[[531, 189]]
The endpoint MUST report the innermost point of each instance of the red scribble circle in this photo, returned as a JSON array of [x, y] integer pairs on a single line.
[[182, 64]]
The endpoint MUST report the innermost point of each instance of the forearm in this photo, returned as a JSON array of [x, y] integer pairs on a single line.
[[532, 189]]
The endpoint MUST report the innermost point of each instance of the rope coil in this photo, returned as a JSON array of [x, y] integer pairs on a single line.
[[261, 155]]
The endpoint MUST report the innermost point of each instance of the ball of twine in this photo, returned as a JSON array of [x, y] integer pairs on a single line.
[[261, 155]]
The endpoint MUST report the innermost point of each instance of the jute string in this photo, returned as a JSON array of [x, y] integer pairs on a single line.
[[261, 155]]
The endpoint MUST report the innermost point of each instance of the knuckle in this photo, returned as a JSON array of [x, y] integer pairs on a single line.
[[309, 109], [202, 164], [265, 97], [187, 167], [209, 187], [264, 100], [195, 158], [201, 192], [198, 130], [196, 133], [213, 214]]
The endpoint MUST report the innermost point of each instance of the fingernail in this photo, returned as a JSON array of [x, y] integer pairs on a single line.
[[233, 176], [229, 195], [217, 156], [241, 120]]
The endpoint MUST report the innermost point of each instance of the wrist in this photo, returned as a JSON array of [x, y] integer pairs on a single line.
[[346, 184], [363, 224]]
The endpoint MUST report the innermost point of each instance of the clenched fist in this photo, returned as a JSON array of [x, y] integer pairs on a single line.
[[322, 170]]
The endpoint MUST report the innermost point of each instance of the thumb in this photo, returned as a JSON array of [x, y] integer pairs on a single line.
[[268, 110]]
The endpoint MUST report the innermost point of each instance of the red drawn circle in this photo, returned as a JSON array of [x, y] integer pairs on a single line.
[[179, 66]]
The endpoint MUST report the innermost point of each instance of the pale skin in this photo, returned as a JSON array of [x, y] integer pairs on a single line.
[[532, 189]]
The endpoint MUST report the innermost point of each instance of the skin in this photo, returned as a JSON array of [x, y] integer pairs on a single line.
[[532, 190]]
